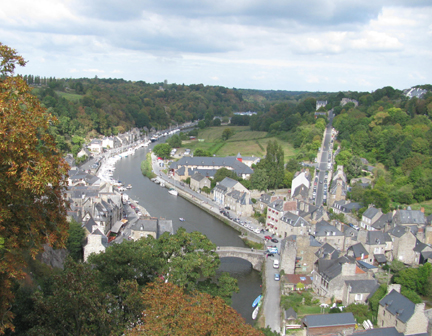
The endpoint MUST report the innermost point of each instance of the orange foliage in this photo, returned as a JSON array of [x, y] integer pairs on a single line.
[[32, 179], [170, 311]]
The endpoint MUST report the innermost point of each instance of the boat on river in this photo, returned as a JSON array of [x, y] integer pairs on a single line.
[[173, 192], [257, 301], [181, 219], [129, 186], [255, 313]]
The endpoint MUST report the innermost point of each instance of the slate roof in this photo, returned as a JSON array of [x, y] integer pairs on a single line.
[[294, 220], [165, 225], [290, 314], [313, 242], [391, 331], [301, 191], [358, 249], [277, 204], [327, 250], [398, 231], [330, 269], [381, 258], [397, 304], [362, 286], [345, 206], [420, 246], [402, 217], [329, 320], [265, 198], [141, 224], [228, 182], [370, 212], [377, 238], [216, 162], [381, 223], [197, 177], [324, 228]]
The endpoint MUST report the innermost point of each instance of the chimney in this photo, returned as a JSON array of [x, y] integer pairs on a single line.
[[422, 210], [396, 287]]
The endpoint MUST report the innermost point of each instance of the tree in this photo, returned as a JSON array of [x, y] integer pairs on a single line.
[[162, 150], [32, 176], [259, 180], [274, 164], [169, 310], [376, 298], [227, 133], [75, 305], [222, 173], [361, 312], [175, 141], [74, 243], [201, 152]]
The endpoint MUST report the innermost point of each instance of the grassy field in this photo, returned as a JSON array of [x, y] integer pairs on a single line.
[[69, 96], [244, 141], [427, 205]]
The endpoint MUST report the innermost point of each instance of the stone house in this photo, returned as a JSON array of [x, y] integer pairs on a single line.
[[395, 310], [198, 181], [358, 251], [144, 227], [379, 244], [324, 232], [248, 160], [369, 217], [275, 212], [320, 103], [292, 280], [358, 291], [345, 207], [337, 191], [95, 146], [96, 242], [329, 276], [404, 242], [290, 224], [233, 194], [301, 179], [84, 152], [423, 252], [298, 254], [329, 324]]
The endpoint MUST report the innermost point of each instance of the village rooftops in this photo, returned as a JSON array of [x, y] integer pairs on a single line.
[[370, 212], [213, 163], [324, 228], [377, 238], [358, 250], [404, 217], [362, 286], [391, 331], [330, 269]]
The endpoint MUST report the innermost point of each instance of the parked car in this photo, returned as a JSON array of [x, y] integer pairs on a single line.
[[276, 263], [274, 240], [277, 277], [268, 237], [270, 254]]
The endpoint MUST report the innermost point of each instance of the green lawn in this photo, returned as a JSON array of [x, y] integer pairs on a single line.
[[69, 96], [244, 141], [427, 205], [310, 310]]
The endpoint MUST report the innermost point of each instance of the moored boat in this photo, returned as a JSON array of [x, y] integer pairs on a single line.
[[257, 300], [181, 219], [173, 192], [255, 313]]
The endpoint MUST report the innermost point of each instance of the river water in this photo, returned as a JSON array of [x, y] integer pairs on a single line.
[[159, 203]]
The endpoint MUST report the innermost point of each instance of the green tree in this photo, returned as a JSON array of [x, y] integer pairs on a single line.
[[75, 240], [274, 164], [227, 133], [361, 312], [259, 180], [162, 150], [75, 306], [222, 173], [201, 152], [32, 178], [376, 298], [175, 141]]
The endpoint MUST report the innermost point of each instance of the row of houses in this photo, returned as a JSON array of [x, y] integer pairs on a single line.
[[98, 145], [106, 214]]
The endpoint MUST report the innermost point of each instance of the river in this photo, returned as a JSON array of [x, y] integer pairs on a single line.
[[159, 203]]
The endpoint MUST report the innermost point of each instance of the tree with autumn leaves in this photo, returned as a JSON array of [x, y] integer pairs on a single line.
[[169, 310], [32, 180]]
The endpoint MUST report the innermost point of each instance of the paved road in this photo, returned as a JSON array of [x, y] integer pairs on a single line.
[[323, 164], [271, 305]]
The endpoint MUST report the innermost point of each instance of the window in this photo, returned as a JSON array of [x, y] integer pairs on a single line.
[[358, 297]]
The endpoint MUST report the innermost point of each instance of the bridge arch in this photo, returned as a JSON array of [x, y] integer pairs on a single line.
[[255, 257]]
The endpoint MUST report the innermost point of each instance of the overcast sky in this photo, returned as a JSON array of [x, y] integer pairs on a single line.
[[312, 45]]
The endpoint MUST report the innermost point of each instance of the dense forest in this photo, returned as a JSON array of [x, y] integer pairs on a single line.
[[90, 107]]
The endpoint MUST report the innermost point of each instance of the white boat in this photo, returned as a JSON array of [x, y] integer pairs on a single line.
[[162, 185], [181, 219], [129, 186], [173, 192], [255, 313]]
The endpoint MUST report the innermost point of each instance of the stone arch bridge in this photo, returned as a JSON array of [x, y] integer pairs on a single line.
[[255, 257]]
